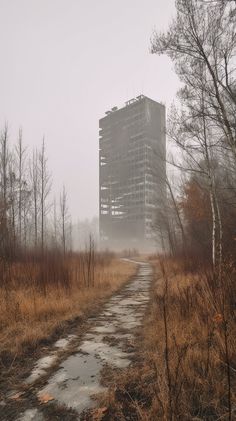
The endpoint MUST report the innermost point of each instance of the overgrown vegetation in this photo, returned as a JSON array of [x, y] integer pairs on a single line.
[[186, 362], [39, 295], [198, 215], [194, 306], [43, 283], [186, 368]]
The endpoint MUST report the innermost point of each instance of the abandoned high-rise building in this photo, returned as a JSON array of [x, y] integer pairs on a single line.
[[132, 151]]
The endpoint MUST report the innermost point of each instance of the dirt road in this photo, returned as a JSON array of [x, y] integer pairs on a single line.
[[68, 390]]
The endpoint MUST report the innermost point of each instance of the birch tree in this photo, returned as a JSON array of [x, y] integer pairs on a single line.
[[64, 219], [201, 42], [20, 152], [4, 166], [44, 191], [34, 176]]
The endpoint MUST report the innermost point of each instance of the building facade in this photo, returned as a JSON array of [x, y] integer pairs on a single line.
[[132, 169]]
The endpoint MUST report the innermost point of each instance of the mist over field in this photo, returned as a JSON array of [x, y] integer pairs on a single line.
[[65, 64], [117, 210]]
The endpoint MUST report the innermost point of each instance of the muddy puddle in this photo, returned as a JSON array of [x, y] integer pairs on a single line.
[[108, 341]]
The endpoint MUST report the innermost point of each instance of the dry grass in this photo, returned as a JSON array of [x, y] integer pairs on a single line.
[[30, 313], [187, 365]]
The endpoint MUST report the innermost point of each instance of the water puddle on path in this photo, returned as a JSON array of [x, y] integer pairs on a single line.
[[108, 341]]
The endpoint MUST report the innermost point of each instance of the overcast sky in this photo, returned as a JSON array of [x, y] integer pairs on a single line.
[[63, 64]]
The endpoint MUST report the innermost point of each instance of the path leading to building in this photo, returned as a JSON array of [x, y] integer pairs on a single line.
[[109, 340]]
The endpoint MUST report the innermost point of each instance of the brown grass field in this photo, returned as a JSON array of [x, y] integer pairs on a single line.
[[186, 365], [32, 309]]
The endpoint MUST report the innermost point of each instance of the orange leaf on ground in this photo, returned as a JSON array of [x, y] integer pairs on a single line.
[[16, 396], [45, 398], [218, 318], [98, 414]]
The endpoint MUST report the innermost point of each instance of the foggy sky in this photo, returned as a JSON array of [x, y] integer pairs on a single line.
[[63, 64]]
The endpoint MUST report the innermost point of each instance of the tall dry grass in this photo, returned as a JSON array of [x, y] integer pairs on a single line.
[[38, 295], [187, 365]]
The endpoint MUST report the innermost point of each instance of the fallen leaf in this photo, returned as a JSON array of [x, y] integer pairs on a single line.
[[218, 318], [16, 396], [99, 413], [45, 398]]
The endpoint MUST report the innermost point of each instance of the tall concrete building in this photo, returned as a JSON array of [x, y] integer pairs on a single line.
[[132, 151]]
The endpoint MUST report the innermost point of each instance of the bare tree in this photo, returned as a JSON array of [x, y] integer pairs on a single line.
[[44, 190], [34, 176], [4, 165], [201, 42], [64, 218], [12, 218], [203, 35], [20, 152], [55, 225]]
